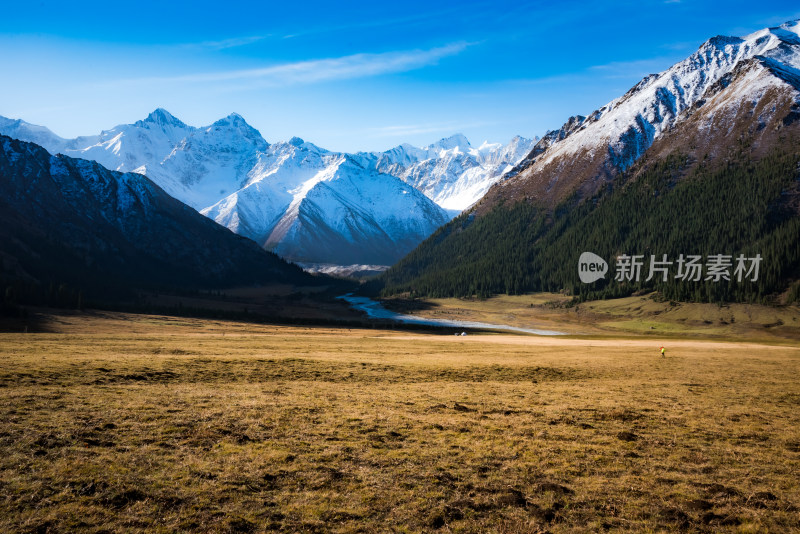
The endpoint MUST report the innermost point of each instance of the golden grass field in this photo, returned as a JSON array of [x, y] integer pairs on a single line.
[[136, 423]]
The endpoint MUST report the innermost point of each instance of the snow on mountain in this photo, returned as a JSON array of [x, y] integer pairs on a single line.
[[311, 205], [355, 215], [19, 129], [282, 174], [214, 161], [194, 165], [451, 172], [613, 137], [273, 182], [305, 202]]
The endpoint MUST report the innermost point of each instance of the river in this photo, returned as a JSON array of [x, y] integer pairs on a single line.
[[376, 310]]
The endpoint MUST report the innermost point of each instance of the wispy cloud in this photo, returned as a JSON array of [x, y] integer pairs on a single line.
[[316, 71], [224, 44]]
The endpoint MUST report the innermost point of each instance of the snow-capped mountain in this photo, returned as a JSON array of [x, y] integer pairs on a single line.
[[230, 173], [315, 206], [42, 136], [195, 165], [450, 172], [305, 202], [588, 151]]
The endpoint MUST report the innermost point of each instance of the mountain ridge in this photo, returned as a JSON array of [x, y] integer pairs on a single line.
[[589, 151], [230, 173]]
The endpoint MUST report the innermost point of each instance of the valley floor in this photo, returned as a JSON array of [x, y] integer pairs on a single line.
[[639, 315], [137, 423]]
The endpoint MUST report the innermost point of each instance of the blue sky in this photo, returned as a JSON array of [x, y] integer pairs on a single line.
[[350, 76]]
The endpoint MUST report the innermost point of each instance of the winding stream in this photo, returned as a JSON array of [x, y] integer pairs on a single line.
[[376, 310]]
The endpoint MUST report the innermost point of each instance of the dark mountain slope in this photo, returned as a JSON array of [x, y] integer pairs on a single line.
[[73, 222]]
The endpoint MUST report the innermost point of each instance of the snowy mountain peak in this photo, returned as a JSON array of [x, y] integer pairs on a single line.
[[161, 117], [235, 128], [486, 146], [234, 120], [450, 172], [448, 143], [519, 144], [296, 144], [786, 32], [19, 129], [304, 201], [721, 41], [5, 122]]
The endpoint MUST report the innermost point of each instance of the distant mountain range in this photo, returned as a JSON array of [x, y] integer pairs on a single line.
[[73, 225], [700, 159], [450, 172], [301, 201]]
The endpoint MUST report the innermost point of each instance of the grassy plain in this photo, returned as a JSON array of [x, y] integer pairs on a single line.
[[136, 423]]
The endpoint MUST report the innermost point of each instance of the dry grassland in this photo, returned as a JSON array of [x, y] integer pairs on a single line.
[[124, 423]]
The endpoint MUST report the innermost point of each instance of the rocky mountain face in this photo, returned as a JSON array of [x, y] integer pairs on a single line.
[[73, 221], [701, 158], [360, 208]]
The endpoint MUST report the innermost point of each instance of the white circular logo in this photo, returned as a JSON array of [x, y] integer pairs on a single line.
[[591, 267]]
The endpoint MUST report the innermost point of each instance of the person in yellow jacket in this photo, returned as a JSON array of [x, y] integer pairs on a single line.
[[663, 351]]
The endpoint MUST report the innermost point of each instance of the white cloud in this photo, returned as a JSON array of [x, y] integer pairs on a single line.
[[229, 43], [317, 70]]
